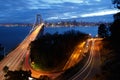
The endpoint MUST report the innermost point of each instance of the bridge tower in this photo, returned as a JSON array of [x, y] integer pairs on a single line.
[[38, 19]]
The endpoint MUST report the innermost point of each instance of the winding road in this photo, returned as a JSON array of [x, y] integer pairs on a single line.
[[92, 65], [19, 56]]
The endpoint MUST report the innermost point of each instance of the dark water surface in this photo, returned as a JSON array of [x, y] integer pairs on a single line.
[[10, 37]]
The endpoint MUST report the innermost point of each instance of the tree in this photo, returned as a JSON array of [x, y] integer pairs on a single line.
[[1, 47], [115, 32], [5, 69], [17, 75], [116, 3], [115, 29], [2, 51], [116, 16], [103, 31]]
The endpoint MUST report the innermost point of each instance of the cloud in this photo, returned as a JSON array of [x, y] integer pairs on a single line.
[[101, 13], [78, 14], [55, 17], [98, 0], [63, 1], [74, 1], [53, 9], [37, 4]]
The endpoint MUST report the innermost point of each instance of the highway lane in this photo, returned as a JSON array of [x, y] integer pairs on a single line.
[[92, 66], [76, 56], [14, 59], [95, 66], [80, 74]]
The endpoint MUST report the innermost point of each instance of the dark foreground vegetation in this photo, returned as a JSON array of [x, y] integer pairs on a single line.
[[1, 51], [110, 53], [21, 75], [1, 57], [50, 52]]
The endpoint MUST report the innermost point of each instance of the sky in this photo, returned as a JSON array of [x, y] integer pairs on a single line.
[[24, 11]]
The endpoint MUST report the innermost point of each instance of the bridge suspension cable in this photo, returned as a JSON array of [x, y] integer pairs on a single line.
[[37, 21]]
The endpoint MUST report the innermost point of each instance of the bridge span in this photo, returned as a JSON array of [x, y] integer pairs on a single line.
[[16, 57]]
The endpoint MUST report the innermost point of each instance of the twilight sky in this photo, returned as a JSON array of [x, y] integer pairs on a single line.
[[25, 10]]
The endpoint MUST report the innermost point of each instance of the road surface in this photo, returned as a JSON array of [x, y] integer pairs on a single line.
[[37, 74], [92, 65], [76, 56], [16, 57]]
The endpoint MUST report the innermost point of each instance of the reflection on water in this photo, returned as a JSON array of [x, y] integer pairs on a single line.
[[88, 30]]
